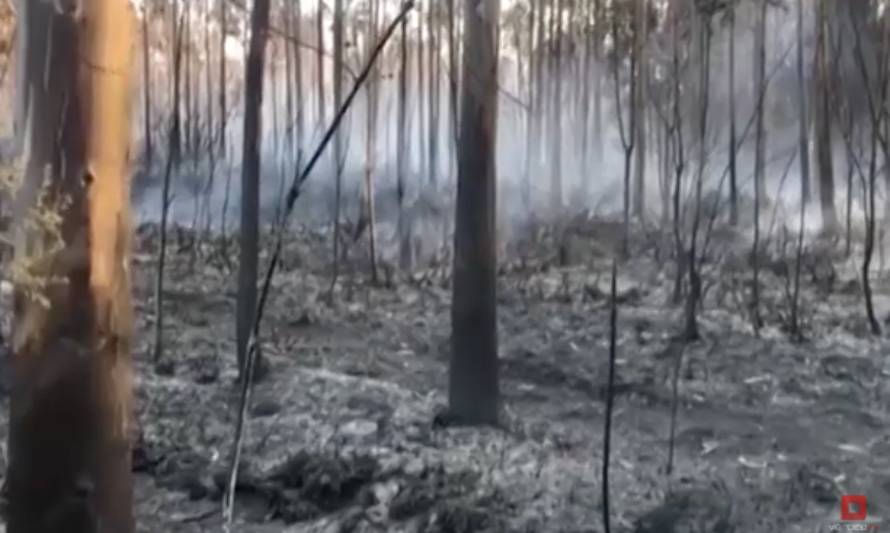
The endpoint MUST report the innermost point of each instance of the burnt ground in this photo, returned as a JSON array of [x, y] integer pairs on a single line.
[[341, 438]]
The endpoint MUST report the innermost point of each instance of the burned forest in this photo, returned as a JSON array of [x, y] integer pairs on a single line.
[[445, 266]]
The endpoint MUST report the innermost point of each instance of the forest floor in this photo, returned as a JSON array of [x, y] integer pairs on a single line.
[[769, 432]]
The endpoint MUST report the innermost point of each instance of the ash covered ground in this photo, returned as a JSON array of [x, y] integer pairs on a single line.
[[341, 435]]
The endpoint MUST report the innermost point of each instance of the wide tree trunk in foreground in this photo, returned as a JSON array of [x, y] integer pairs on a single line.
[[250, 178], [70, 410], [473, 387]]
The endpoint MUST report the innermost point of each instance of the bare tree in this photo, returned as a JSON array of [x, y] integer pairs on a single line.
[[434, 33], [804, 140], [759, 159], [452, 80], [640, 99], [421, 100], [223, 112], [556, 192], [250, 180], [173, 156], [319, 28], [186, 51], [822, 116], [338, 138], [677, 155], [875, 81], [534, 62], [704, 70], [402, 150], [733, 167], [298, 83], [473, 392], [373, 91], [584, 95], [628, 139]]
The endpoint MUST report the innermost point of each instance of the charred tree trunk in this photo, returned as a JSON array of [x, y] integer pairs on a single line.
[[803, 141], [531, 122], [556, 192], [173, 156], [298, 83], [319, 28], [704, 57], [586, 72], [639, 102], [402, 151], [338, 138], [373, 101], [250, 181], [733, 150], [678, 157], [823, 124], [598, 86], [628, 138], [186, 50], [759, 160], [223, 112], [452, 84], [473, 392], [421, 100], [432, 135]]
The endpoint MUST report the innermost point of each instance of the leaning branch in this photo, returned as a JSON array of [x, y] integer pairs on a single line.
[[292, 196]]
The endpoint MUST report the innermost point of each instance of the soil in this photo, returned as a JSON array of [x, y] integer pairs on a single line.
[[770, 430]]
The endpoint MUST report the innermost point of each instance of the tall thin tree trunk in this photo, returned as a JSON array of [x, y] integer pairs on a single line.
[[704, 57], [822, 117], [452, 84], [288, 82], [319, 28], [759, 160], [208, 80], [402, 149], [543, 53], [187, 81], [804, 141], [373, 96], [223, 112], [584, 90], [173, 155], [211, 145], [639, 102], [626, 131], [733, 149], [675, 136], [473, 393], [598, 136], [556, 192], [533, 60], [421, 101], [250, 180], [338, 139], [298, 82]]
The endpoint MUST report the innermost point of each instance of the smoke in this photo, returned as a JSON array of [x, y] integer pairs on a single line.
[[596, 185]]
